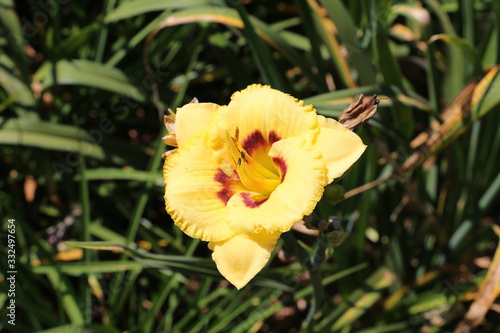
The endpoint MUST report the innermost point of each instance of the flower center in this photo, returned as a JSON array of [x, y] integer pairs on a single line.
[[255, 168]]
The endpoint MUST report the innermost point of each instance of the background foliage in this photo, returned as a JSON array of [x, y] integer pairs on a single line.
[[84, 85]]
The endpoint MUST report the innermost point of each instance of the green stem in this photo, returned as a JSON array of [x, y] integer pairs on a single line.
[[86, 298], [311, 264], [317, 259], [316, 282], [103, 33]]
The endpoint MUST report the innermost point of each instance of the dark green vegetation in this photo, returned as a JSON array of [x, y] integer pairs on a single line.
[[84, 85]]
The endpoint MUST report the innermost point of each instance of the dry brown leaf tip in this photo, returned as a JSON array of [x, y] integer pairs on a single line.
[[359, 112]]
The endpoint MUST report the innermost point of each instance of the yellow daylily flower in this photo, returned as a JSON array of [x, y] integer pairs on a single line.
[[244, 173]]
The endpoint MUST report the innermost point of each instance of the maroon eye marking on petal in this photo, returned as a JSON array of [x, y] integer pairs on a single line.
[[254, 141], [281, 164], [273, 137], [226, 193], [222, 178], [249, 202]]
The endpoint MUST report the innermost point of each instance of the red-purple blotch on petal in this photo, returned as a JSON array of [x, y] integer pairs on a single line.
[[226, 193], [273, 137], [250, 202], [281, 164], [254, 141]]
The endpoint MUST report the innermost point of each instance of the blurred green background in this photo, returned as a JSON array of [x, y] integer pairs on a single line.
[[83, 89]]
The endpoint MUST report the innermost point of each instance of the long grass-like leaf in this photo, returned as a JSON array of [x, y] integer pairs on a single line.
[[459, 116], [455, 74], [14, 35], [348, 35], [309, 20], [138, 7], [328, 33], [88, 73], [358, 303], [261, 53], [69, 302], [229, 16], [47, 135], [122, 174], [80, 328], [20, 95], [466, 48]]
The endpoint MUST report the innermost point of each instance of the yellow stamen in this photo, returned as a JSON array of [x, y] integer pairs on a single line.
[[252, 174]]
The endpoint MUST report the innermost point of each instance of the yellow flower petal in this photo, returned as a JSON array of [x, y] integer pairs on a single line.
[[197, 190], [339, 146], [240, 258], [193, 119], [303, 176], [266, 115]]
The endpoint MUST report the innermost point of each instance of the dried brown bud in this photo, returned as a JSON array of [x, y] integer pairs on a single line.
[[359, 112], [170, 138]]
